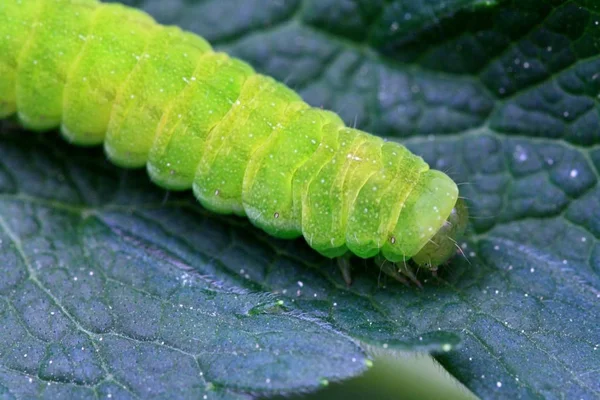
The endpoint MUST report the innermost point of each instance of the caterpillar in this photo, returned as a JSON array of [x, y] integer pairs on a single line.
[[161, 98]]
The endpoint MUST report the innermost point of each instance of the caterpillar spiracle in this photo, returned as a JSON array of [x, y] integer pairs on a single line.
[[160, 97]]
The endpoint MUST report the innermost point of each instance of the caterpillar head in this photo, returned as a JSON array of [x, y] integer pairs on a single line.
[[443, 245]]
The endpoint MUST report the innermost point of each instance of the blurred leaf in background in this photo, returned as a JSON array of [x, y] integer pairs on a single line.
[[405, 376]]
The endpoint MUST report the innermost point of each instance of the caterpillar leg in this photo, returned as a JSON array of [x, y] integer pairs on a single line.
[[402, 272], [391, 270], [343, 263], [408, 271]]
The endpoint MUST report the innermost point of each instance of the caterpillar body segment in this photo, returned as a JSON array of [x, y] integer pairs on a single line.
[[263, 106], [180, 139], [42, 88], [16, 25], [113, 47], [282, 163], [148, 88], [159, 97]]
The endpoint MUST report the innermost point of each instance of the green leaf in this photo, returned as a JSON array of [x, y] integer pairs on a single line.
[[503, 95], [97, 298]]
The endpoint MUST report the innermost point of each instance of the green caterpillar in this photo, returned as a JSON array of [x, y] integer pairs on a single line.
[[160, 97]]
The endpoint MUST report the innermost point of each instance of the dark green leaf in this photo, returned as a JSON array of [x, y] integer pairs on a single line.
[[503, 95], [98, 298]]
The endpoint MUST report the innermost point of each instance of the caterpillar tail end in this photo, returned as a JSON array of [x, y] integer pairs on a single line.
[[443, 245]]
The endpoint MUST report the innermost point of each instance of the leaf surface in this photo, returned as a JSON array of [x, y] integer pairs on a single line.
[[501, 94]]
